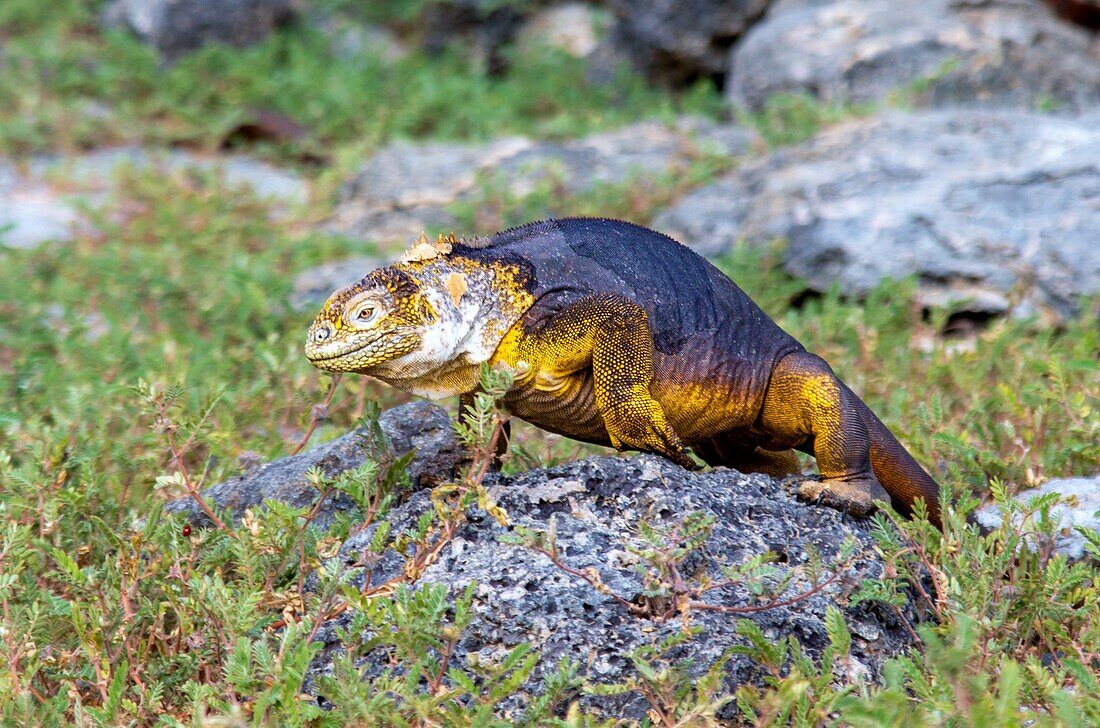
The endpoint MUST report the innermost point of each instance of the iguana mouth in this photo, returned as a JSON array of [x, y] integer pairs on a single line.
[[383, 346], [315, 356]]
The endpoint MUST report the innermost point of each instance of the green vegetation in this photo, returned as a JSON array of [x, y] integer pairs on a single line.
[[65, 86], [792, 118], [153, 351]]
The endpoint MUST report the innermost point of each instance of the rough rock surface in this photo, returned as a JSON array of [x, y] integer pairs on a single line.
[[41, 200], [419, 426], [674, 42], [976, 52], [405, 188], [594, 507], [979, 205], [94, 169], [1085, 513], [176, 27], [351, 37]]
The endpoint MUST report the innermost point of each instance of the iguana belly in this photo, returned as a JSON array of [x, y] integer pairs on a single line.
[[698, 405], [564, 405], [702, 397]]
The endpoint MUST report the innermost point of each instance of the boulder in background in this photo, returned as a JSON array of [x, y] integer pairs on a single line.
[[983, 205], [943, 52], [406, 188], [177, 27], [675, 42]]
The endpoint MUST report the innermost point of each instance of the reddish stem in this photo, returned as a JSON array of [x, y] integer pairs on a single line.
[[319, 412]]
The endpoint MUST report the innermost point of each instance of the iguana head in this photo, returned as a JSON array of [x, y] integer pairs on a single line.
[[382, 318], [424, 324]]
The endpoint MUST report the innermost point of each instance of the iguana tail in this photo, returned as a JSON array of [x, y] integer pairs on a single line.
[[902, 477]]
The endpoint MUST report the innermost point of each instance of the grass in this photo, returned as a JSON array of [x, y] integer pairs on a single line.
[[66, 86], [169, 316], [791, 118]]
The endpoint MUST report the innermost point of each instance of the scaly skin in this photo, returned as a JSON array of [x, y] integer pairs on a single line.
[[620, 336]]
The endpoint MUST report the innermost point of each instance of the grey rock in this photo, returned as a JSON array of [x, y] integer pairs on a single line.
[[594, 507], [177, 27], [420, 426], [350, 38], [1081, 511], [369, 39], [42, 200], [312, 287], [573, 27], [639, 150], [964, 52], [31, 212], [407, 176], [987, 206], [265, 180], [674, 42], [609, 60], [480, 27], [96, 169], [406, 188]]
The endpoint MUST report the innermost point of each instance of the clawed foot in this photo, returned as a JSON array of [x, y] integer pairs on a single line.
[[666, 444], [851, 496], [643, 427], [681, 458]]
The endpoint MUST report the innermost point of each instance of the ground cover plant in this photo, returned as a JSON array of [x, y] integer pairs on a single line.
[[66, 86], [156, 350]]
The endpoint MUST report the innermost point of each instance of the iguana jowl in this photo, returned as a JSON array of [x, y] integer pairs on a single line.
[[617, 335]]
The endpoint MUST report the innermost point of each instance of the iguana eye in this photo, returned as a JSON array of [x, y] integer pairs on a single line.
[[363, 314]]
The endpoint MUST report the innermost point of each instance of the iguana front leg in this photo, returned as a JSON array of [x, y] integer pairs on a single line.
[[610, 334]]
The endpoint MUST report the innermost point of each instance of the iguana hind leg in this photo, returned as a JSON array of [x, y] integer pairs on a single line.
[[807, 407]]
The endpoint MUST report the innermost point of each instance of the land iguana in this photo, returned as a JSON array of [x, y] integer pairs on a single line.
[[617, 335]]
